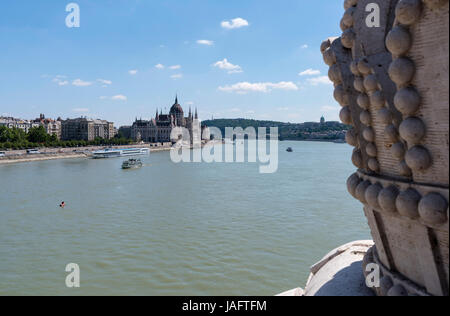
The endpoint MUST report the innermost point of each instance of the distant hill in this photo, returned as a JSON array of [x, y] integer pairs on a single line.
[[288, 131]]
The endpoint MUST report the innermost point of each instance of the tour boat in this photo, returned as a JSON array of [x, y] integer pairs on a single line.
[[289, 150], [132, 164], [115, 153]]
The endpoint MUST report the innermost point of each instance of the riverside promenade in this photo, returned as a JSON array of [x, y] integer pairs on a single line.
[[18, 156]]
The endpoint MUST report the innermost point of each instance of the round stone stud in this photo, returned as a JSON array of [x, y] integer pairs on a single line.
[[369, 134], [371, 83], [412, 130], [418, 158], [433, 208], [358, 84], [404, 169], [407, 203], [348, 16], [387, 199], [325, 44], [354, 68], [348, 38], [346, 115], [397, 290], [371, 150], [391, 133], [385, 116], [385, 285], [363, 101], [357, 158], [365, 118], [340, 95], [398, 150], [373, 165], [350, 3], [407, 101], [364, 67], [360, 191], [372, 193], [398, 41], [329, 57], [402, 71], [408, 12], [334, 73], [350, 138], [352, 183], [377, 99]]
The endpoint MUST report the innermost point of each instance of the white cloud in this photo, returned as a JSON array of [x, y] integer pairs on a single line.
[[133, 72], [329, 108], [205, 42], [119, 97], [103, 97], [225, 65], [245, 87], [177, 76], [310, 72], [105, 82], [305, 46], [190, 103], [159, 66], [80, 110], [234, 24], [175, 67], [59, 81], [81, 83], [319, 80]]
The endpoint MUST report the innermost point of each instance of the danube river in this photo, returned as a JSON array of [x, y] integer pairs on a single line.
[[175, 229]]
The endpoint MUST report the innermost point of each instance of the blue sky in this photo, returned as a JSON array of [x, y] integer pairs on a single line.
[[229, 58]]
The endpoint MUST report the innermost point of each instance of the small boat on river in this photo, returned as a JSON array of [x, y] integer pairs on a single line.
[[132, 164]]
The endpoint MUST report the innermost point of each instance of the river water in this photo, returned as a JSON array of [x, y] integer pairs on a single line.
[[175, 229]]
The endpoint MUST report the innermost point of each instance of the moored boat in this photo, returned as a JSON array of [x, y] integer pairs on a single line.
[[115, 153], [132, 164]]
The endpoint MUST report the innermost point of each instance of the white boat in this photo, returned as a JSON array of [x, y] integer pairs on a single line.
[[115, 153]]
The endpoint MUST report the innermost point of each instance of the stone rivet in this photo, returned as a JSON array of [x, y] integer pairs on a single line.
[[371, 83], [348, 16], [435, 4], [350, 3], [398, 41], [385, 285], [408, 203], [418, 158], [329, 57], [387, 199], [374, 165], [412, 130], [358, 84], [385, 116], [352, 183], [364, 67], [371, 150], [404, 169], [408, 12], [363, 101], [340, 95], [360, 191], [365, 118], [350, 138], [377, 99], [391, 133], [325, 44], [334, 73], [348, 38], [357, 158], [372, 193], [346, 115], [369, 134], [343, 26], [407, 101], [398, 150], [402, 71], [397, 290], [354, 68], [433, 208]]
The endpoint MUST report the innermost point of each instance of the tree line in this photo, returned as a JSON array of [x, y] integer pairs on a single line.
[[15, 138]]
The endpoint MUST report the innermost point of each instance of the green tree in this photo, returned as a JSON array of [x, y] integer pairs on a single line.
[[38, 135]]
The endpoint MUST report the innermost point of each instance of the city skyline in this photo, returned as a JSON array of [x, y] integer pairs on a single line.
[[254, 60]]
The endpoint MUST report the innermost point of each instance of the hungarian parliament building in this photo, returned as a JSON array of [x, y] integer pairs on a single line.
[[159, 129]]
